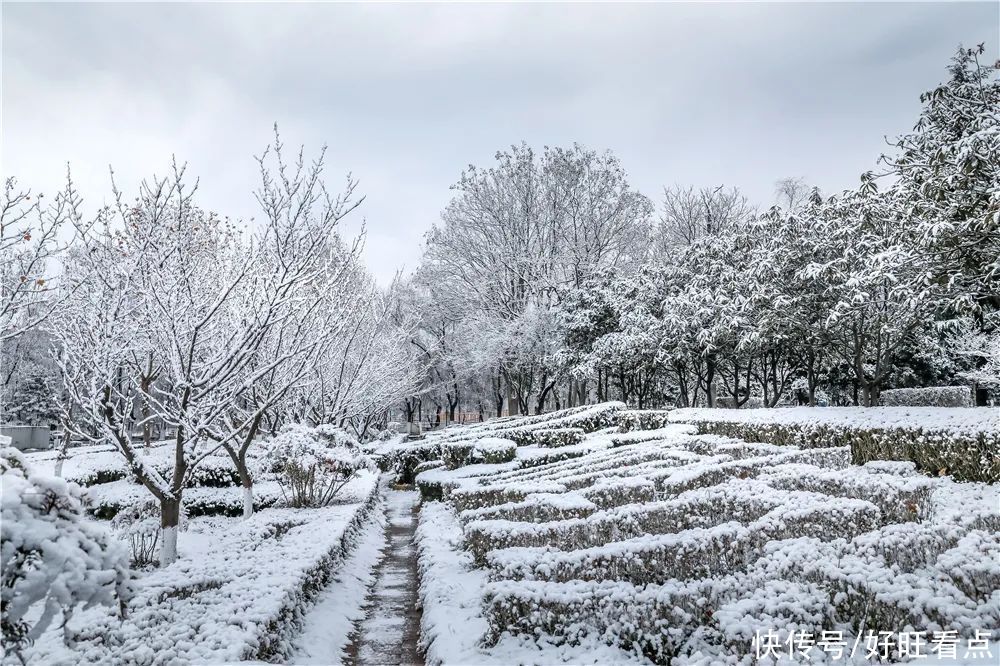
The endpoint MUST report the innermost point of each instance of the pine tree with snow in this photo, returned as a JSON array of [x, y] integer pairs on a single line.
[[34, 402]]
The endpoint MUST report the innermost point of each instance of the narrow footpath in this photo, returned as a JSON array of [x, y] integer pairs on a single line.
[[389, 631]]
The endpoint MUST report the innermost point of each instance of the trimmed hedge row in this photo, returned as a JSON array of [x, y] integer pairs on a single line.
[[276, 638], [964, 456], [935, 396], [588, 419], [550, 437], [687, 554], [643, 419], [489, 451], [195, 504]]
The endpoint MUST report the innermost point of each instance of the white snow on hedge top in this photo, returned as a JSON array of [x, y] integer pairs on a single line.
[[951, 419]]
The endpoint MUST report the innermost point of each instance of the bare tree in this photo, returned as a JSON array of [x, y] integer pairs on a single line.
[[29, 247], [791, 192], [690, 214]]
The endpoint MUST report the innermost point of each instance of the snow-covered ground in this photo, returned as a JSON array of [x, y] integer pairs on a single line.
[[238, 591], [329, 623], [668, 545]]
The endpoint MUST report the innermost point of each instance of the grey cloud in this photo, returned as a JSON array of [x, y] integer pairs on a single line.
[[407, 95]]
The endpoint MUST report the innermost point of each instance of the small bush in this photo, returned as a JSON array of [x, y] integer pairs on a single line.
[[139, 526], [313, 464]]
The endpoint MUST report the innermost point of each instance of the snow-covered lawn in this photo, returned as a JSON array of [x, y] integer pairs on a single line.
[[665, 544], [237, 592]]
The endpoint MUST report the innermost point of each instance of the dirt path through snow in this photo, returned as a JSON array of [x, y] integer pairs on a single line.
[[388, 633]]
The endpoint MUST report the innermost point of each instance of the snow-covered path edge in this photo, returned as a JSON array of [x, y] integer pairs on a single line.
[[329, 623], [452, 623]]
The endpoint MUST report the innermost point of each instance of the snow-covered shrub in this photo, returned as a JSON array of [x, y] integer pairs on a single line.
[[430, 464], [612, 491], [54, 559], [674, 545], [241, 598], [91, 466], [474, 498], [385, 435], [108, 499], [588, 419], [456, 454], [313, 464], [403, 457], [215, 471], [934, 396], [963, 443], [537, 508], [139, 525], [642, 419], [535, 457], [687, 555], [493, 451], [555, 437], [729, 402], [489, 451]]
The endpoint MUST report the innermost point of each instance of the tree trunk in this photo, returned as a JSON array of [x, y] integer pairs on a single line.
[[247, 498], [147, 427], [811, 378], [63, 452], [170, 518], [710, 381], [246, 482], [870, 393]]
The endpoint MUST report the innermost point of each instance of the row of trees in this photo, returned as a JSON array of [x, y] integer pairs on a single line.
[[548, 282], [163, 315]]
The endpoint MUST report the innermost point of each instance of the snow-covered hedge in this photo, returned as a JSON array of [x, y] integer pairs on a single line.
[[963, 443], [312, 465], [489, 450], [934, 396], [672, 544], [54, 559], [403, 457], [550, 437], [237, 593], [107, 499], [588, 419], [642, 419], [452, 621], [93, 465]]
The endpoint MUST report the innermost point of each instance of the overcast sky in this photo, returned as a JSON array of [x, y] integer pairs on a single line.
[[406, 95]]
